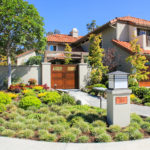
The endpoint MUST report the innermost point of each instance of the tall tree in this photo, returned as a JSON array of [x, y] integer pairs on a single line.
[[56, 31], [138, 61], [68, 55], [21, 27], [96, 54], [91, 26]]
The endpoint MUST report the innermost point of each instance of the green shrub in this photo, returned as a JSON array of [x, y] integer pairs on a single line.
[[136, 118], [21, 111], [147, 98], [133, 82], [37, 116], [43, 110], [83, 126], [99, 123], [32, 121], [145, 125], [136, 100], [27, 133], [68, 99], [135, 135], [135, 125], [103, 138], [147, 119], [16, 125], [32, 126], [67, 137], [12, 115], [2, 129], [121, 137], [147, 104], [75, 131], [114, 128], [28, 101], [34, 60], [4, 98], [76, 119], [45, 117], [98, 131], [8, 132], [83, 139], [64, 112], [2, 120], [57, 119], [44, 125], [29, 92], [52, 98], [57, 129], [2, 107]]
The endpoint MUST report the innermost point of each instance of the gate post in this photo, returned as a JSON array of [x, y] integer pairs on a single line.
[[83, 75], [46, 73]]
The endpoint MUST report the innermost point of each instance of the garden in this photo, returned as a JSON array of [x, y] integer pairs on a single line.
[[33, 112]]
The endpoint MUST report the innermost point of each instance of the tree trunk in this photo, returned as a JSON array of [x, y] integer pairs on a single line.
[[9, 68]]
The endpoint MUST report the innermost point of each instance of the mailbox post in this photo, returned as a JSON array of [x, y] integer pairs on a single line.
[[118, 99]]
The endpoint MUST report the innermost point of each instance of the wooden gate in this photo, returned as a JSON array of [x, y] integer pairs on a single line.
[[64, 76]]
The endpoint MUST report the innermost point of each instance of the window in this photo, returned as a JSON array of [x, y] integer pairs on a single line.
[[52, 48], [140, 32]]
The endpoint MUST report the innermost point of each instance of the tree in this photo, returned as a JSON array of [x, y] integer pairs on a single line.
[[138, 61], [68, 55], [3, 60], [96, 59], [21, 27], [34, 60], [91, 26], [56, 31]]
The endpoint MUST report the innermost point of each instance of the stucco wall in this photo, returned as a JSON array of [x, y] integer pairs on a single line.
[[23, 72], [59, 47], [122, 32], [22, 59]]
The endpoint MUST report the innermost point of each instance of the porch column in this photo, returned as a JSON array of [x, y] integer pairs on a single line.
[[46, 73], [83, 75]]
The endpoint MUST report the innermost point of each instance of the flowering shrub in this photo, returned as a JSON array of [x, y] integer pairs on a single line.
[[37, 88], [4, 98], [28, 92], [15, 88], [12, 95], [32, 81], [42, 94], [132, 96]]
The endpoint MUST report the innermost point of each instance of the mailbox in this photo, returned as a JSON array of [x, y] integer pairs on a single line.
[[118, 80]]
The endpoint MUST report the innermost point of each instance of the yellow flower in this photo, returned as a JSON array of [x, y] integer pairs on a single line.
[[41, 94], [26, 91], [37, 88], [132, 96], [12, 95]]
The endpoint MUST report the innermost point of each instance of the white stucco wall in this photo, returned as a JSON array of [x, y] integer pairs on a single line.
[[59, 47], [122, 32], [132, 32], [22, 59]]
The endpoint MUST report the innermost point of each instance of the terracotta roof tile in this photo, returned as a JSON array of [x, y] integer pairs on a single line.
[[132, 20], [62, 38], [27, 52], [127, 46]]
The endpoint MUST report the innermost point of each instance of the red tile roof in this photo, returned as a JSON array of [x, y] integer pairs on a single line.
[[131, 20], [27, 52], [127, 46], [62, 38]]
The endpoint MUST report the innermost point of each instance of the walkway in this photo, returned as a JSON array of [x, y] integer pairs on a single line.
[[87, 99]]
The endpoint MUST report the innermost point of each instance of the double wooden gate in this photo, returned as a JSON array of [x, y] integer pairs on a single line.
[[64, 76]]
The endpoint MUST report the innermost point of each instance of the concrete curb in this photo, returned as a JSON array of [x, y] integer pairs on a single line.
[[22, 144]]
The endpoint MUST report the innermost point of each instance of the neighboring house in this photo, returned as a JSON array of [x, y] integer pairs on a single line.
[[23, 58]]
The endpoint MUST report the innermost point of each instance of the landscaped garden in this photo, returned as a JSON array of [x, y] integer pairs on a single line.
[[32, 112]]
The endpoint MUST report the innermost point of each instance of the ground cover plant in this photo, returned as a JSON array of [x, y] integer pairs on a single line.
[[55, 117]]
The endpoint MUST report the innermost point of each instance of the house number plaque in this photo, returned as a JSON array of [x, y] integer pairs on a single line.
[[121, 100]]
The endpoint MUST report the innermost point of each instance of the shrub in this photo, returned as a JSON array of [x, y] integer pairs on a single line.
[[28, 101], [2, 120], [37, 88], [42, 94], [32, 126], [136, 118], [98, 131], [83, 139], [44, 110], [147, 119], [46, 136], [64, 112], [57, 119], [114, 128], [12, 95], [75, 131], [27, 133], [121, 137], [145, 125], [67, 137], [8, 132], [99, 123], [135, 100], [15, 88], [44, 125], [68, 99], [147, 98], [52, 98], [147, 104], [2, 129], [103, 138], [2, 107], [34, 60], [28, 92], [16, 126], [133, 82], [135, 135], [58, 129], [135, 125], [12, 115], [4, 98], [83, 126], [32, 81]]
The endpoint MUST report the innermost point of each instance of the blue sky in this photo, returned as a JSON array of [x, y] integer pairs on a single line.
[[66, 14]]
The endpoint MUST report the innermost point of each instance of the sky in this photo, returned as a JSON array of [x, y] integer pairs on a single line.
[[67, 14]]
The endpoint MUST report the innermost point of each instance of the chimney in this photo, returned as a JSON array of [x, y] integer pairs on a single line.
[[74, 32]]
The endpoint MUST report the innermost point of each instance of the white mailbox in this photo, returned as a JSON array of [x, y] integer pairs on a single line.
[[118, 80]]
